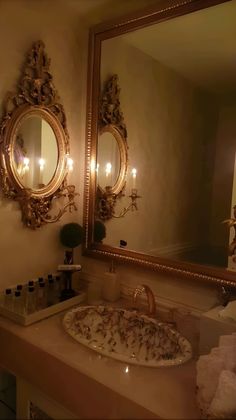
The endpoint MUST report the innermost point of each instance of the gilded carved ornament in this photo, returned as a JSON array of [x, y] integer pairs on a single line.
[[111, 120], [37, 97]]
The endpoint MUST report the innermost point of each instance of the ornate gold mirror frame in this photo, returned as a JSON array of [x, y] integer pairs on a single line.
[[164, 10], [111, 121], [35, 97]]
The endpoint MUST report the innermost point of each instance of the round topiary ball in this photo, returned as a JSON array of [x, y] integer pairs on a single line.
[[99, 231], [71, 235]]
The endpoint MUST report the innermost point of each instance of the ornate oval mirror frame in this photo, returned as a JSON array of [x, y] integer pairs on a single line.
[[35, 97], [123, 151], [111, 121], [164, 10]]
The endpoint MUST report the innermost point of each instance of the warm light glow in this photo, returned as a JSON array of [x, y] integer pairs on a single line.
[[134, 172], [108, 168], [127, 369], [92, 165], [97, 167], [134, 175], [26, 162], [41, 163], [70, 164]]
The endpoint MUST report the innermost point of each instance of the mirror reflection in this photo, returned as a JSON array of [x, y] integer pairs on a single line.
[[179, 100], [35, 153], [108, 160]]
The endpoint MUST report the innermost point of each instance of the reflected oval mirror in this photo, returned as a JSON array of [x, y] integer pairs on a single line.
[[108, 160], [112, 159], [34, 152]]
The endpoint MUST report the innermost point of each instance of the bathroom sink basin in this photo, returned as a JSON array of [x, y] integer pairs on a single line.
[[127, 336]]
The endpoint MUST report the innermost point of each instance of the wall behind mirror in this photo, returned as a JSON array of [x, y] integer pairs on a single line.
[[178, 96], [108, 151], [35, 153]]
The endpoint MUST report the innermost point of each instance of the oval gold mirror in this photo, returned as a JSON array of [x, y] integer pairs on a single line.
[[111, 159], [35, 145]]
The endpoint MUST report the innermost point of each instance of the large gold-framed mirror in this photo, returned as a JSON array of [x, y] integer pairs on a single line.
[[34, 145], [179, 100]]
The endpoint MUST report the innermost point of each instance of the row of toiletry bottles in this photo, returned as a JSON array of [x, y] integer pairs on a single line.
[[34, 296]]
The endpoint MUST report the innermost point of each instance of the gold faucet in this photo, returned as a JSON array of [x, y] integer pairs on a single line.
[[150, 298]]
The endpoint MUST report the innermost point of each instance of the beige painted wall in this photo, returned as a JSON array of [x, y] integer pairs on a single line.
[[49, 153], [223, 173], [26, 254]]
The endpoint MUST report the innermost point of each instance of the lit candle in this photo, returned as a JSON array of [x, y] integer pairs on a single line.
[[70, 164], [134, 175], [108, 172], [108, 169], [41, 168], [92, 165], [26, 162]]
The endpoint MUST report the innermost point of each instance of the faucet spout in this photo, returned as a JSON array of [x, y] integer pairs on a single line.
[[150, 298]]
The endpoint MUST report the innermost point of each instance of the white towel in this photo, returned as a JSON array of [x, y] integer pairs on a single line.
[[224, 402], [208, 372], [227, 354], [227, 340]]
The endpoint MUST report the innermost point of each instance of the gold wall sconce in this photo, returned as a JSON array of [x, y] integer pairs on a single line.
[[112, 147], [34, 145], [232, 224]]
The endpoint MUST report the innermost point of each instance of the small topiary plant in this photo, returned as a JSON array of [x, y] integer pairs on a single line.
[[71, 236], [99, 231]]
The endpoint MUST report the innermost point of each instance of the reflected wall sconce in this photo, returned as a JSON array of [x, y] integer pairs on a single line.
[[113, 138], [106, 202], [232, 223]]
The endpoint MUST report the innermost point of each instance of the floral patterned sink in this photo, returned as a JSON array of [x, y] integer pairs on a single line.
[[127, 336]]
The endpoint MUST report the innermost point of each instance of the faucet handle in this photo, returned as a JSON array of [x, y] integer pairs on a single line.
[[137, 292], [149, 295]]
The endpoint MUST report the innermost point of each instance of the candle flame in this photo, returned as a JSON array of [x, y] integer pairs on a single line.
[[134, 172]]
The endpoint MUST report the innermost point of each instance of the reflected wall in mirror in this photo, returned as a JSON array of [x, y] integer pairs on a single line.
[[177, 70], [34, 145], [35, 153], [108, 160]]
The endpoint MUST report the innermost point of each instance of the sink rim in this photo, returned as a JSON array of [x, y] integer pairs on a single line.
[[68, 319]]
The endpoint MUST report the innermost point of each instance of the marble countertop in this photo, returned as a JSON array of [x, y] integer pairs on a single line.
[[45, 354]]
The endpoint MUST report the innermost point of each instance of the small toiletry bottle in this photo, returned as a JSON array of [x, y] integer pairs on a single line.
[[31, 283], [111, 285], [41, 302], [57, 289], [17, 303], [22, 290], [19, 288], [31, 300], [49, 277], [40, 280], [8, 299], [50, 291]]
